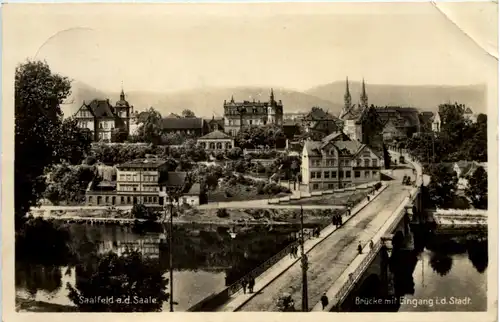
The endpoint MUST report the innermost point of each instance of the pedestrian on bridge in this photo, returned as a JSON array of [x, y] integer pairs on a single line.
[[324, 300], [244, 285], [251, 284], [360, 248], [371, 244]]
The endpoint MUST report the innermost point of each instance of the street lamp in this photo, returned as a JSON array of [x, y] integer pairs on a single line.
[[303, 263], [173, 196]]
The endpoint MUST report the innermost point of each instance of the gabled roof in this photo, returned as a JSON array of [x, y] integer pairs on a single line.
[[182, 123], [173, 116], [176, 179], [468, 110], [313, 148], [142, 163], [101, 108], [216, 135], [194, 190], [351, 147]]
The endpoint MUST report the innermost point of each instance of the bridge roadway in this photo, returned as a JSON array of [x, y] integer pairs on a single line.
[[329, 259]]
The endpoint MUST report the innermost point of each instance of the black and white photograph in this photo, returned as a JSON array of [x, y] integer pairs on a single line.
[[250, 157]]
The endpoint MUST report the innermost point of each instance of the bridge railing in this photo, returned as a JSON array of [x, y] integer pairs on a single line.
[[259, 270], [356, 274]]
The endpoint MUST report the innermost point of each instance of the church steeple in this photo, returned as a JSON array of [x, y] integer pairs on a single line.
[[271, 98], [347, 96], [364, 97]]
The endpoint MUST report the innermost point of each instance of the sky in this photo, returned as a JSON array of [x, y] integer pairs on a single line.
[[297, 46]]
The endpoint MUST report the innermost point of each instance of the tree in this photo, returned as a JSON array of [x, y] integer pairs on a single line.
[[453, 122], [372, 128], [119, 135], [74, 143], [477, 189], [442, 186], [136, 284], [188, 114], [150, 130], [38, 119]]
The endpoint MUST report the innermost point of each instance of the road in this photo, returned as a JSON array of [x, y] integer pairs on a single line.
[[329, 259]]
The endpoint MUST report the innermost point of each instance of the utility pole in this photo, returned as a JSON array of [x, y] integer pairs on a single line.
[[170, 256], [304, 264]]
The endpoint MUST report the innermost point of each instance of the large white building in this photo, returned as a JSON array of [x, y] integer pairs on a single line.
[[338, 162]]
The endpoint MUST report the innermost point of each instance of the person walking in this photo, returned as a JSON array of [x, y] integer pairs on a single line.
[[360, 249], [244, 285], [371, 244], [251, 284], [292, 251], [295, 251], [324, 300]]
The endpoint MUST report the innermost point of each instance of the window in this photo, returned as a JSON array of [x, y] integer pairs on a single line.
[[219, 146], [90, 199], [358, 162], [122, 199], [315, 186], [367, 174], [327, 175], [374, 173], [341, 174], [367, 163], [348, 174], [334, 162], [334, 174], [107, 199], [313, 175], [357, 174], [375, 162], [330, 186], [250, 122], [212, 146]]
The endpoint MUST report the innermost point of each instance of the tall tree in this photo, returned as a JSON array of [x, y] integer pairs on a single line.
[[477, 189], [188, 113], [150, 130], [442, 186], [38, 119]]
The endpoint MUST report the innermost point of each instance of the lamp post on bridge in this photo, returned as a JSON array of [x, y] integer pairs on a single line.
[[304, 264]]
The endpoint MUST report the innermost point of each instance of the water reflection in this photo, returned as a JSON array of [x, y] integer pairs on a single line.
[[442, 266], [205, 258]]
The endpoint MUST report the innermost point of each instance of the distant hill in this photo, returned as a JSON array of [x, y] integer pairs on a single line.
[[424, 97], [204, 102]]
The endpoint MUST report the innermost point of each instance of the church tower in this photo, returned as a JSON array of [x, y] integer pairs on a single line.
[[347, 99], [363, 97]]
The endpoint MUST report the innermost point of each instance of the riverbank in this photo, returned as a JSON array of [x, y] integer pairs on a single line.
[[233, 217]]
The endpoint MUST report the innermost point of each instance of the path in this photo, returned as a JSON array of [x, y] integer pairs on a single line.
[[329, 259]]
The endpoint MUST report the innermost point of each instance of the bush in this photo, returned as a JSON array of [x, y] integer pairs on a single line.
[[222, 213], [260, 187], [140, 211], [378, 185], [228, 193]]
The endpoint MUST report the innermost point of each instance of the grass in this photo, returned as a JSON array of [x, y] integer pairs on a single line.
[[239, 192]]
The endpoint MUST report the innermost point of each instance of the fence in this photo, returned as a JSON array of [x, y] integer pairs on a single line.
[[219, 298]]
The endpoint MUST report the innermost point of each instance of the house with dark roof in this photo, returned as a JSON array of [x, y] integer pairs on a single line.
[[141, 181], [338, 162], [251, 113], [100, 117], [319, 123], [216, 141], [193, 126]]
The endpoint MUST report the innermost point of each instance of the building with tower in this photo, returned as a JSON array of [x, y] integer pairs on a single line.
[[351, 113], [100, 117], [251, 113]]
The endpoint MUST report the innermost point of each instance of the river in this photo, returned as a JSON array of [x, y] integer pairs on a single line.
[[205, 259]]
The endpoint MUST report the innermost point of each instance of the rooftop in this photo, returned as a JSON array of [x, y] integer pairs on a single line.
[[195, 189], [143, 163], [174, 123], [176, 179], [100, 108], [216, 135]]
